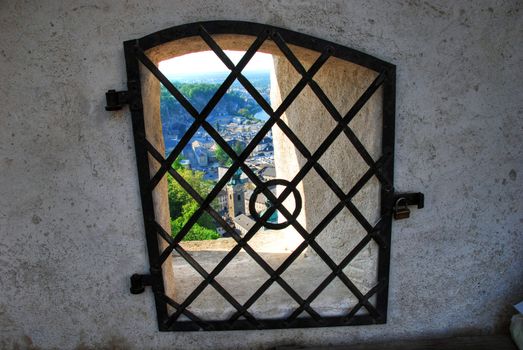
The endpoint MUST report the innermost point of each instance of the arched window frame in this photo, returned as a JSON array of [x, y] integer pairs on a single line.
[[158, 248]]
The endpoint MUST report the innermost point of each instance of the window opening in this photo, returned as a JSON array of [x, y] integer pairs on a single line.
[[326, 192]]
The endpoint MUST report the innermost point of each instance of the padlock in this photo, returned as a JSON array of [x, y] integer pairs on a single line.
[[401, 211]]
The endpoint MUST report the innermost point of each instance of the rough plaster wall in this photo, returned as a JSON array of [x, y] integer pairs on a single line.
[[70, 210]]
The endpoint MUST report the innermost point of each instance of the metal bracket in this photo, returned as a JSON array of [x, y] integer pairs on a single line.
[[116, 100], [407, 199], [412, 198], [139, 282]]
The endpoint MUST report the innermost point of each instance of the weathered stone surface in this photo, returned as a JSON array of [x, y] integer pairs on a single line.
[[70, 214]]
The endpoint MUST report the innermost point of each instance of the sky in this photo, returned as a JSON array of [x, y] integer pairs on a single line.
[[208, 62]]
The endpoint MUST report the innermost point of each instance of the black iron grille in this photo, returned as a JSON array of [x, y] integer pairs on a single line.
[[169, 310]]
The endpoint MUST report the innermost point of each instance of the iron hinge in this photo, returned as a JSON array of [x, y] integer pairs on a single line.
[[403, 200], [139, 282], [116, 100]]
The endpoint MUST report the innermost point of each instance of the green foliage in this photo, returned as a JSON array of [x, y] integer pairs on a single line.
[[199, 231], [222, 157], [182, 206], [238, 147], [233, 103], [245, 113], [198, 94], [177, 165]]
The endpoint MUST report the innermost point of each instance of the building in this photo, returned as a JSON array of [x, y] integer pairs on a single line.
[[260, 204], [265, 145], [268, 173], [186, 163], [200, 154], [221, 200], [235, 196], [243, 223], [222, 170]]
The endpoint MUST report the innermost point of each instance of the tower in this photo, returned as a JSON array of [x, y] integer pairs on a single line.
[[235, 196]]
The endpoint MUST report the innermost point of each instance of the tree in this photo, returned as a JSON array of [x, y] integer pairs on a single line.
[[245, 113], [238, 147], [222, 157], [199, 231], [182, 205]]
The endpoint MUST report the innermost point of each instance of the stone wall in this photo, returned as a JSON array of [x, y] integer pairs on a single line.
[[70, 213]]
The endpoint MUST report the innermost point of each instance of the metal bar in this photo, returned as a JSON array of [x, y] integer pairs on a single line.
[[330, 139], [216, 285], [217, 138], [273, 324], [346, 129], [325, 176], [201, 323], [290, 259], [205, 112], [253, 29], [387, 191], [135, 98], [205, 275], [365, 300], [215, 215], [297, 143], [293, 60]]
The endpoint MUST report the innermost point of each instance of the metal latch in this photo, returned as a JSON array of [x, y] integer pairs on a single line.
[[403, 200]]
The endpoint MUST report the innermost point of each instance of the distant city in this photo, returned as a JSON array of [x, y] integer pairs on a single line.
[[237, 118]]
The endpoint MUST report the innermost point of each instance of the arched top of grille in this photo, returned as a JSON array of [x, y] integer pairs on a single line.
[[250, 29]]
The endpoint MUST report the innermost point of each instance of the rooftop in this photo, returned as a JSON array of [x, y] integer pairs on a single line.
[[244, 221]]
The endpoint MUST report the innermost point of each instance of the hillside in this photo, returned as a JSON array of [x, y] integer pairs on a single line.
[[235, 103]]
